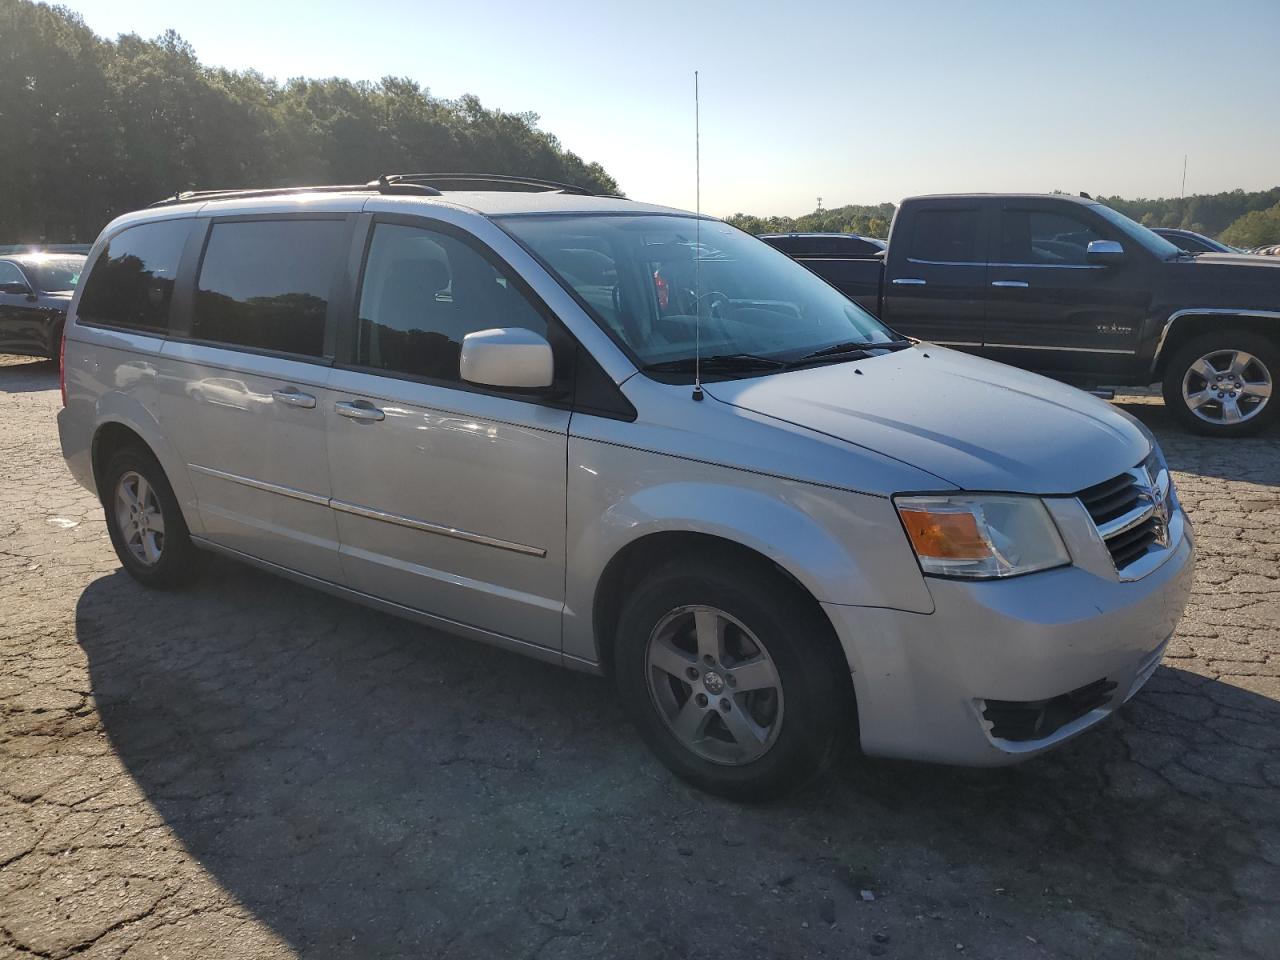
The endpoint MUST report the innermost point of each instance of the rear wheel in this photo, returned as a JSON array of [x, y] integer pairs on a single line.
[[734, 678], [145, 523], [1220, 384]]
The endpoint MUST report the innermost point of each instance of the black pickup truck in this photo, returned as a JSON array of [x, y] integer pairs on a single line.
[[1068, 287]]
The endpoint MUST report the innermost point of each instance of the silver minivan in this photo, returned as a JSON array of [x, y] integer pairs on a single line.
[[633, 441]]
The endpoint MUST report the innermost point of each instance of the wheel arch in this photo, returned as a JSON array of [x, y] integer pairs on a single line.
[[116, 431], [1184, 325], [629, 564], [107, 439], [835, 547]]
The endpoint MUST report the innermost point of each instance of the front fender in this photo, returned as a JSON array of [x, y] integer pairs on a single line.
[[843, 547]]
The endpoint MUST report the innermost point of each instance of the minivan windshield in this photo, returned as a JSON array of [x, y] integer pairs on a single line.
[[664, 285]]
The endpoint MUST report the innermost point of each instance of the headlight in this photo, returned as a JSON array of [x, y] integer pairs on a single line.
[[1158, 467], [979, 536]]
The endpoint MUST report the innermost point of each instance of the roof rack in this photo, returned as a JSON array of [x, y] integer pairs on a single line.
[[188, 196], [420, 184], [479, 181]]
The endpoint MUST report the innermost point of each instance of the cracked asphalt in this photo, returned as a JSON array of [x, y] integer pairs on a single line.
[[252, 770]]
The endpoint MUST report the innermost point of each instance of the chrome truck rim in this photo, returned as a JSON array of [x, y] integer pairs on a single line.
[[714, 685], [139, 519], [1226, 387]]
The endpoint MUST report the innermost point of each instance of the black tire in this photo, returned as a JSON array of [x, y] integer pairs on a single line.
[[55, 342], [817, 714], [1266, 352], [179, 561]]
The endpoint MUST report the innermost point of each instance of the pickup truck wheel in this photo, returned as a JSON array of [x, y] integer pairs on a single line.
[[145, 522], [1219, 384], [733, 677]]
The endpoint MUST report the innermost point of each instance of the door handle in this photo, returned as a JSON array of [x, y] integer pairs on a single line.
[[359, 410], [294, 398], [909, 282], [1010, 283]]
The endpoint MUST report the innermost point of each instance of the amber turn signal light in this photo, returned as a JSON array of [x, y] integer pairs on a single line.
[[945, 536]]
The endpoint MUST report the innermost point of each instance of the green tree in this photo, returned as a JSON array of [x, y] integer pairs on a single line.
[[1257, 228], [92, 128]]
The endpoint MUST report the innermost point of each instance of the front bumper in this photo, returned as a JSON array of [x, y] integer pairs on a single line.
[[924, 681]]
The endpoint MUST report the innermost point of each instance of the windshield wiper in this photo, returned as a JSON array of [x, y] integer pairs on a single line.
[[717, 363], [852, 346]]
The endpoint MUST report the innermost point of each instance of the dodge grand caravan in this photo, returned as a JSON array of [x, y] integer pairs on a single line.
[[632, 441]]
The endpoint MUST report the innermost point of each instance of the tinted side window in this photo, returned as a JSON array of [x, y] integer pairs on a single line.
[[852, 246], [948, 236], [265, 284], [829, 247], [131, 283], [1053, 239], [423, 291], [791, 246]]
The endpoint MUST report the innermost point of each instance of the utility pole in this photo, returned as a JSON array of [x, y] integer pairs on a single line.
[[819, 205], [1184, 176]]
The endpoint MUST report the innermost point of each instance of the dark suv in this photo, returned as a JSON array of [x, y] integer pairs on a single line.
[[35, 291]]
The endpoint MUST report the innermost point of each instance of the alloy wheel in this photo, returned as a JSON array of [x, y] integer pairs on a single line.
[[139, 517], [714, 685], [1227, 387]]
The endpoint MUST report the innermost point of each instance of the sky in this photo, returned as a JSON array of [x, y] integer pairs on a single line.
[[850, 101]]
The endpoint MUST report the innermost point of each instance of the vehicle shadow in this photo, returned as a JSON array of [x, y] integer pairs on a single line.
[[27, 374], [370, 788], [1254, 459]]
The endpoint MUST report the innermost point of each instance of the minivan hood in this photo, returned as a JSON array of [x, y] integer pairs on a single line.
[[977, 424]]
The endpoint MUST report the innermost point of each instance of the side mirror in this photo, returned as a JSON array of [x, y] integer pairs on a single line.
[[507, 357], [1106, 252], [16, 287]]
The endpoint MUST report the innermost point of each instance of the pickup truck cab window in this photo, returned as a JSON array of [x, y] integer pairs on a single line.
[[948, 236], [1042, 237], [640, 277], [1152, 242]]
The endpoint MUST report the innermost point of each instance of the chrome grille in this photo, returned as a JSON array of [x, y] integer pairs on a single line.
[[1131, 512]]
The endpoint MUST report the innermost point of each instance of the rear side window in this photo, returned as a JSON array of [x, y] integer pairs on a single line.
[[1049, 239], [423, 292], [265, 284], [791, 246], [848, 246], [948, 236], [131, 283]]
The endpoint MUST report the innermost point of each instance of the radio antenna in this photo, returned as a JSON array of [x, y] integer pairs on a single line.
[[697, 244]]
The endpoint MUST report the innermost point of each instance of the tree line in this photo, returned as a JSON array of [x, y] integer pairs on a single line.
[[1244, 219], [91, 128], [868, 221]]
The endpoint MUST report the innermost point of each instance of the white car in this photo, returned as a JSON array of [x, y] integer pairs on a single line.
[[631, 441]]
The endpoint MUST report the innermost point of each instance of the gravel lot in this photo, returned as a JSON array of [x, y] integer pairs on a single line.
[[250, 769]]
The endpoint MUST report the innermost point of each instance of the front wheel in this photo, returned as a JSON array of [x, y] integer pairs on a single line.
[[734, 678], [1219, 384]]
